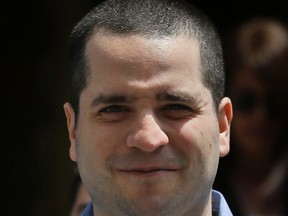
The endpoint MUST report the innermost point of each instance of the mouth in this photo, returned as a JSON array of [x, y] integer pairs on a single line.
[[148, 171]]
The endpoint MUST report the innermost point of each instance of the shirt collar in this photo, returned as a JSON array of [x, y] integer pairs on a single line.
[[219, 205]]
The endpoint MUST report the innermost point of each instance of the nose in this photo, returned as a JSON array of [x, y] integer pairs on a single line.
[[147, 135]]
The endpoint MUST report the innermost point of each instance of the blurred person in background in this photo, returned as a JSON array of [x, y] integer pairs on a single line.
[[79, 195], [254, 176]]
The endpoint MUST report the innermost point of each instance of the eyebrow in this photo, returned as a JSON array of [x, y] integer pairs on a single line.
[[170, 96], [177, 96], [112, 98]]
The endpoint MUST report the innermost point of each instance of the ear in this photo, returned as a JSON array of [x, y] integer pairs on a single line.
[[71, 123], [225, 115]]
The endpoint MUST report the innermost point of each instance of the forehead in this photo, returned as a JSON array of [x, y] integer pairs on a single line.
[[139, 67], [139, 49], [135, 59]]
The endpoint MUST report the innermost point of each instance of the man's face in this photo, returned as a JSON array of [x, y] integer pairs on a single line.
[[148, 138]]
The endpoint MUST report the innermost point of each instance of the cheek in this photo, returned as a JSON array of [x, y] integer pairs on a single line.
[[200, 144], [187, 141], [202, 136], [90, 148], [201, 141], [92, 151], [96, 143]]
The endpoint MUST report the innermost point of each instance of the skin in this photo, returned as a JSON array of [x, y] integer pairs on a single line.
[[148, 137], [82, 199]]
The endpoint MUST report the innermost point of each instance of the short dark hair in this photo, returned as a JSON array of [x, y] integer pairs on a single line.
[[161, 18]]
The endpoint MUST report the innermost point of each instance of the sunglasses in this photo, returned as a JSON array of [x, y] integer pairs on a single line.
[[247, 101]]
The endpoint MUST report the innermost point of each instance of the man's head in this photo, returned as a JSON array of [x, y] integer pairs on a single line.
[[150, 19], [147, 135]]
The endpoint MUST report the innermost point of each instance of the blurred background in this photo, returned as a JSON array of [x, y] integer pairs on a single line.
[[37, 173]]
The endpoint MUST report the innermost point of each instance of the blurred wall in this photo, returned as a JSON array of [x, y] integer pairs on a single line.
[[37, 171]]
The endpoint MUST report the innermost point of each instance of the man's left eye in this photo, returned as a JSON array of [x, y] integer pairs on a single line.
[[177, 111], [177, 107]]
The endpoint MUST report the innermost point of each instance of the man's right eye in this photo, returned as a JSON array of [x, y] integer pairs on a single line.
[[113, 113], [114, 109]]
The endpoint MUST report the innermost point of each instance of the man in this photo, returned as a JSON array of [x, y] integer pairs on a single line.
[[147, 119]]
